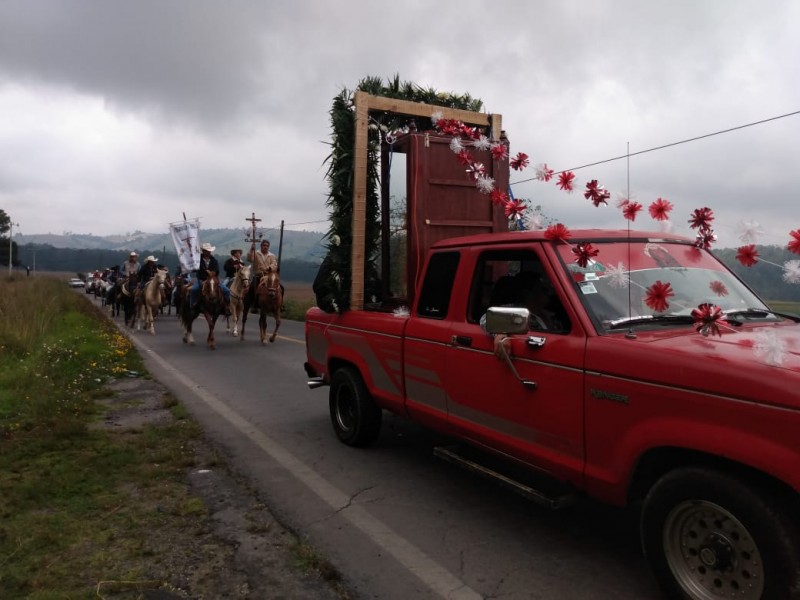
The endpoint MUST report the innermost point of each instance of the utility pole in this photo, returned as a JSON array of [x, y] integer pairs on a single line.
[[280, 247], [11, 226]]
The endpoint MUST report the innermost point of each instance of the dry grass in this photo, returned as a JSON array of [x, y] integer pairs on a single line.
[[300, 291]]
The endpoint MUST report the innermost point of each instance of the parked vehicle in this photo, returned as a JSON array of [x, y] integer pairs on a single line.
[[75, 283], [654, 379]]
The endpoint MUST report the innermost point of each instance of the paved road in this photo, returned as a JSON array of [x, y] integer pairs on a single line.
[[397, 522]]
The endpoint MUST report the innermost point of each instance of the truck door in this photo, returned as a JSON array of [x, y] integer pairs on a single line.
[[539, 421], [426, 337]]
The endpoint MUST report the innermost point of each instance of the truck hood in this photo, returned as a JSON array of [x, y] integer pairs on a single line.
[[753, 363]]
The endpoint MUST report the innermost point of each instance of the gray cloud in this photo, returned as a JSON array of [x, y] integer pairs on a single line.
[[122, 116]]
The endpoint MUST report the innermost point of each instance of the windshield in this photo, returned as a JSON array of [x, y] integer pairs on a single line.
[[664, 280]]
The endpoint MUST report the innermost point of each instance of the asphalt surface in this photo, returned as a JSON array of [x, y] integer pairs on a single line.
[[397, 522]]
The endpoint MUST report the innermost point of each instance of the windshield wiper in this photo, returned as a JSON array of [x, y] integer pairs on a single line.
[[648, 319], [758, 313]]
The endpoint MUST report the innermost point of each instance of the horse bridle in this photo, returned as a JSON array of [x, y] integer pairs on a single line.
[[271, 290], [245, 285]]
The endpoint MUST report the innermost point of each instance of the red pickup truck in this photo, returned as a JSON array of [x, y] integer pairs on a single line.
[[651, 377]]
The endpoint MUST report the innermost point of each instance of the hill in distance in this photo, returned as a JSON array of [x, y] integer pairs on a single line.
[[301, 245]]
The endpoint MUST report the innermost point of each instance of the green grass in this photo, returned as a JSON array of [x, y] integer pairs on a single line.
[[55, 352], [785, 307], [296, 309], [80, 505]]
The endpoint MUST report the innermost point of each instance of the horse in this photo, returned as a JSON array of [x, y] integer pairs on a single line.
[[111, 297], [148, 301], [180, 290], [267, 297], [125, 298], [240, 286], [103, 288], [211, 304], [166, 296]]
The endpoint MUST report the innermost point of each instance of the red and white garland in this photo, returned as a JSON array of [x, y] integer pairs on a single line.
[[708, 317]]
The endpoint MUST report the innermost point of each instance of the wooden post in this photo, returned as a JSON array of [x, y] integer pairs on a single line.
[[364, 103], [359, 201]]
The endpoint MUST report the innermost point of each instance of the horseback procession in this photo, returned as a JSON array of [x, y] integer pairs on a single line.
[[142, 292]]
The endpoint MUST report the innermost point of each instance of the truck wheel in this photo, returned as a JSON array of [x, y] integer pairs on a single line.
[[355, 416], [707, 535]]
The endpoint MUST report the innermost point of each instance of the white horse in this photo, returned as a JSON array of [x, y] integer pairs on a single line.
[[149, 301], [239, 287]]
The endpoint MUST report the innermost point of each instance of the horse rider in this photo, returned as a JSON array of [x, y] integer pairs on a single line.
[[262, 261], [208, 263], [148, 270], [130, 266], [146, 273], [232, 265], [179, 274]]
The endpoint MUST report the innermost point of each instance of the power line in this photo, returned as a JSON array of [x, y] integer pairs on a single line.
[[694, 139], [306, 222]]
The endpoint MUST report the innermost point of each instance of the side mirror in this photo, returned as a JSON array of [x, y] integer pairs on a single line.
[[501, 319]]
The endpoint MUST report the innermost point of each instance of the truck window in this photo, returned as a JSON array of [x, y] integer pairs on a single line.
[[437, 287], [517, 278]]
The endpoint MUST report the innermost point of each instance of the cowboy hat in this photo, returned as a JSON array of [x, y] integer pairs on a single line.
[[151, 257], [208, 247], [236, 250], [133, 254]]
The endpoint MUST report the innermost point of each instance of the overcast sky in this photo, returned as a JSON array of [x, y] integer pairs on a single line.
[[122, 116]]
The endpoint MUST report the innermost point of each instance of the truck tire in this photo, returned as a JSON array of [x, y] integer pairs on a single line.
[[708, 535], [355, 417]]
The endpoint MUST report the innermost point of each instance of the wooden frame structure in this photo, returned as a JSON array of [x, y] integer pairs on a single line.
[[364, 103]]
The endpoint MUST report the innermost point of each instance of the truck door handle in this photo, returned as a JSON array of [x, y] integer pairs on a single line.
[[462, 340], [535, 341]]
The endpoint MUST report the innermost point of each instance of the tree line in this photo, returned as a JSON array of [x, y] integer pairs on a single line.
[[764, 277], [44, 257]]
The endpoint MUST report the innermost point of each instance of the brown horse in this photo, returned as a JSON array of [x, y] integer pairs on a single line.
[[211, 304], [269, 300], [240, 286]]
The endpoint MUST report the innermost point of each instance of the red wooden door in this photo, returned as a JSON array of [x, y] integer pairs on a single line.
[[443, 200]]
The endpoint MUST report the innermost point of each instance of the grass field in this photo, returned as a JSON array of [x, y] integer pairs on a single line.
[[299, 298], [299, 291], [299, 295], [87, 510], [785, 307]]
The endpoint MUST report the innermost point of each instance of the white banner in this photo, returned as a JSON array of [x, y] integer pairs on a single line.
[[186, 237]]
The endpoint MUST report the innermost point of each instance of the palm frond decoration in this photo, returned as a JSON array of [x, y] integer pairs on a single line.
[[334, 281]]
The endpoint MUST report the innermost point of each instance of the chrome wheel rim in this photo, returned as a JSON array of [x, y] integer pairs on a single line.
[[711, 554], [345, 410]]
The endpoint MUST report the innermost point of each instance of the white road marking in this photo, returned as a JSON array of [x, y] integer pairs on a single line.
[[434, 575]]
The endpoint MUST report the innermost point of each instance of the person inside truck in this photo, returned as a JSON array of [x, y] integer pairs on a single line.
[[528, 290]]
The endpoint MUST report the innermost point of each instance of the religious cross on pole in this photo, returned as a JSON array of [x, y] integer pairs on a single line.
[[253, 238], [188, 239]]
